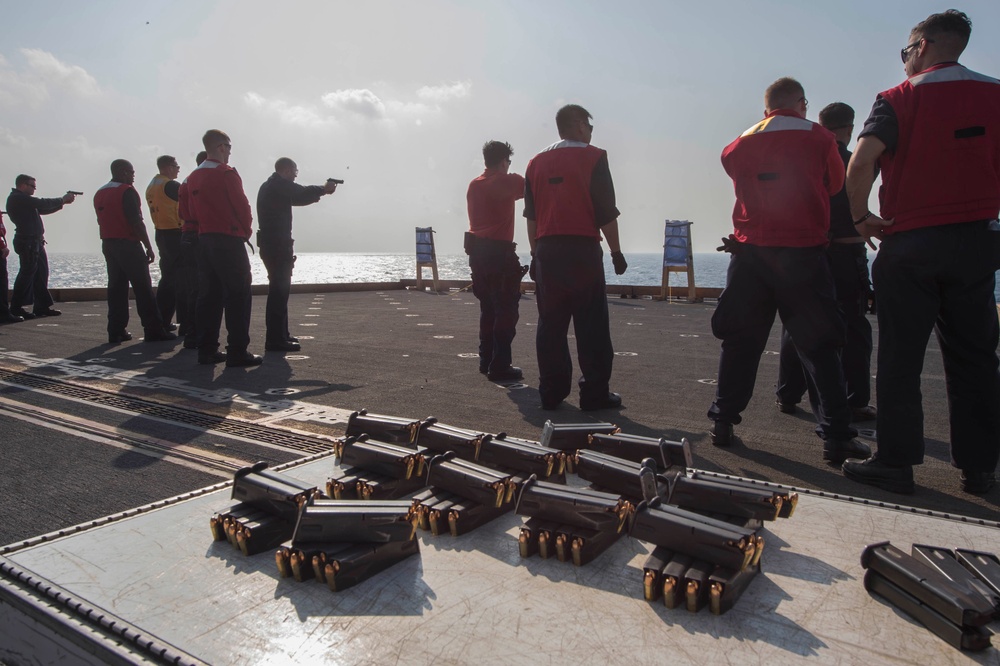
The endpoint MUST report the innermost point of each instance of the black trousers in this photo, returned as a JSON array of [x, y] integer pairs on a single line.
[[223, 287], [796, 284], [496, 282], [940, 279], [849, 266], [569, 272], [187, 285], [31, 286], [278, 258], [168, 291], [127, 265]]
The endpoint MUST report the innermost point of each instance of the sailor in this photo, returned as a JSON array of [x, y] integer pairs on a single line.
[[123, 237], [188, 271], [849, 265], [25, 210], [161, 196], [496, 270], [215, 198], [784, 169], [274, 238], [569, 202], [935, 137]]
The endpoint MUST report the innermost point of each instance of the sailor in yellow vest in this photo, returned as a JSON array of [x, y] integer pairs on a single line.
[[161, 195]]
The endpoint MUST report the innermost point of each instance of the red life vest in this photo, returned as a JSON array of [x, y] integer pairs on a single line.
[[784, 169], [215, 198], [946, 166], [560, 178], [111, 213], [490, 199]]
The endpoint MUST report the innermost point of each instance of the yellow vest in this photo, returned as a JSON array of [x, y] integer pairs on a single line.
[[162, 208]]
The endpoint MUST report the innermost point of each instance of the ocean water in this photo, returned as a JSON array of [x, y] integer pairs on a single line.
[[68, 269]]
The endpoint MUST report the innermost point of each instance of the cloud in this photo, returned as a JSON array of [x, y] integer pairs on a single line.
[[50, 70], [18, 90], [81, 147], [362, 102], [445, 92], [293, 114], [8, 138]]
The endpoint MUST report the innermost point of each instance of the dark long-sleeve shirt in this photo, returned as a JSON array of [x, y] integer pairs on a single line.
[[274, 205], [25, 212]]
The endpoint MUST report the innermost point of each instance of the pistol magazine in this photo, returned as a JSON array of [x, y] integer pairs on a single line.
[[442, 438], [667, 453], [383, 428], [700, 536], [522, 455], [579, 507], [572, 436], [392, 460], [269, 491], [919, 590]]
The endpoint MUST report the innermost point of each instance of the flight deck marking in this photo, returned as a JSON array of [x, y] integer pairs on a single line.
[[179, 454], [273, 410]]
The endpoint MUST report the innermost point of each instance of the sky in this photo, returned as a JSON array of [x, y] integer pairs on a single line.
[[397, 97]]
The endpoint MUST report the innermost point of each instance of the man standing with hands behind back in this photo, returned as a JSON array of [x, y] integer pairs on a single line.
[[496, 270], [569, 201], [936, 137]]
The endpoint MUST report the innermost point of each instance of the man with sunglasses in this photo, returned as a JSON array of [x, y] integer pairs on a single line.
[[936, 138], [25, 210]]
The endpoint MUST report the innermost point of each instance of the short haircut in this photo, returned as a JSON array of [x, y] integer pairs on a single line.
[[23, 179], [118, 167], [570, 114], [495, 152], [164, 161], [200, 157], [836, 115], [213, 138], [783, 94], [951, 29], [284, 163]]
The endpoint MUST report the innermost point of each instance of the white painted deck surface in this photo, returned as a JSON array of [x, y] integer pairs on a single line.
[[472, 600]]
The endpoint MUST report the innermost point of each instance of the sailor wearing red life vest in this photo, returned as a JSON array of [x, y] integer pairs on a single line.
[[496, 270], [784, 170], [123, 237], [569, 202], [214, 197], [936, 138]]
